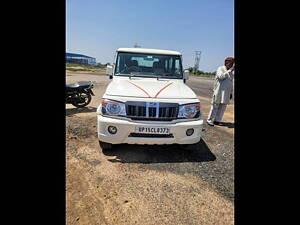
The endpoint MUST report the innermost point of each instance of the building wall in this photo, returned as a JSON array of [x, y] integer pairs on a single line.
[[92, 61], [85, 61]]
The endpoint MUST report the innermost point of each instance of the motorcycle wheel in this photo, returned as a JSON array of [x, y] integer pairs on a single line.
[[87, 99]]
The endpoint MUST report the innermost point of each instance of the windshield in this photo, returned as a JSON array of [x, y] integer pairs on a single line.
[[148, 65]]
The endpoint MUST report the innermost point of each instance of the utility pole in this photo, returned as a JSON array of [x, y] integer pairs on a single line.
[[197, 60]]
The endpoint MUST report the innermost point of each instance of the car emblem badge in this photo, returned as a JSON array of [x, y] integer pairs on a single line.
[[152, 105]]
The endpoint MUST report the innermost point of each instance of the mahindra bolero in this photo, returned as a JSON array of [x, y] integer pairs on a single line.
[[147, 101]]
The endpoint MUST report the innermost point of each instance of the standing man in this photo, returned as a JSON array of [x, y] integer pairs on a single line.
[[222, 92]]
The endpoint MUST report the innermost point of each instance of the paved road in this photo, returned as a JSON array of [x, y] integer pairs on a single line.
[[201, 86]]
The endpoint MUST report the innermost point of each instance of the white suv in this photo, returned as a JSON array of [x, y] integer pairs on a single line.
[[147, 101]]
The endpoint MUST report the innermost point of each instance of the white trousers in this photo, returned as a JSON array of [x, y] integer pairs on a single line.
[[216, 112]]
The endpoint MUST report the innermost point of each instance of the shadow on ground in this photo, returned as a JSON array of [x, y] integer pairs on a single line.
[[160, 153], [229, 125], [70, 112]]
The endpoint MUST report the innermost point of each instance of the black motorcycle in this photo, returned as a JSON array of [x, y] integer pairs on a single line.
[[79, 94]]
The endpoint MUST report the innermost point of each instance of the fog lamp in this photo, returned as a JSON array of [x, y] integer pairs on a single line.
[[189, 132], [112, 129]]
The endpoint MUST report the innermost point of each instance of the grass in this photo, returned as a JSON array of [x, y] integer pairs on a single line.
[[80, 67], [83, 66], [200, 73], [203, 75], [75, 69]]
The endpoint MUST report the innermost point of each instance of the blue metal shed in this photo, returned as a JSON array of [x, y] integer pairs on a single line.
[[80, 59]]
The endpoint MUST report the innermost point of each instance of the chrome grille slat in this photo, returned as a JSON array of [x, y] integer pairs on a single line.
[[156, 111], [167, 112]]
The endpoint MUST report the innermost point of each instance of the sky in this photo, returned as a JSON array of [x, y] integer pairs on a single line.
[[97, 28]]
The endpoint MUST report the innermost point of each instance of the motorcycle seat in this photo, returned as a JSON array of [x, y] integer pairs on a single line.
[[81, 84], [84, 84], [74, 85]]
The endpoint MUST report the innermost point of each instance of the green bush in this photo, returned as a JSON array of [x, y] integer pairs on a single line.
[[75, 69], [98, 66], [201, 73]]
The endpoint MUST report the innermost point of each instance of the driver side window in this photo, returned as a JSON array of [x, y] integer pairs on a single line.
[[136, 59]]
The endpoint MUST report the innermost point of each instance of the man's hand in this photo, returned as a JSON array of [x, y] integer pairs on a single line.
[[232, 68]]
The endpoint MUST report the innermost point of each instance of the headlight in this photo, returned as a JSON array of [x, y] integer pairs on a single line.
[[189, 110], [110, 107]]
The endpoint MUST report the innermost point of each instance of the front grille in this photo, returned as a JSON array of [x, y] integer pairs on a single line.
[[152, 111], [151, 135], [133, 110]]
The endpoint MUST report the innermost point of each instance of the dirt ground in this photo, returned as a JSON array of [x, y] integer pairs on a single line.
[[137, 184]]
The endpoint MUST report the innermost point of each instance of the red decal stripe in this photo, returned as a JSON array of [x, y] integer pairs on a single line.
[[162, 89], [140, 89]]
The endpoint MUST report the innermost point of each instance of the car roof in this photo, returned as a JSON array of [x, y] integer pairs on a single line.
[[148, 50]]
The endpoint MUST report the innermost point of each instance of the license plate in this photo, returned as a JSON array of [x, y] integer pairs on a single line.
[[152, 130]]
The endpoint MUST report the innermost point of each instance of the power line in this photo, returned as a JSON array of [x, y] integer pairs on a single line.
[[197, 60]]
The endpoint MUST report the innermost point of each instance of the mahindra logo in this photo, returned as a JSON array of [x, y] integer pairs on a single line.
[[152, 105]]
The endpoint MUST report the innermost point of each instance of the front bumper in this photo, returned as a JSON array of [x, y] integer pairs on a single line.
[[125, 127]]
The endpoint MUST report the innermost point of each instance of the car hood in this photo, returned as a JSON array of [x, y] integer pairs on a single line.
[[149, 88]]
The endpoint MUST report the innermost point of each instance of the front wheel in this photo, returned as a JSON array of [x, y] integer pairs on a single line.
[[105, 146], [83, 100]]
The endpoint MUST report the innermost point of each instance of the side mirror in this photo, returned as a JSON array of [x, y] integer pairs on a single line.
[[186, 75], [110, 71]]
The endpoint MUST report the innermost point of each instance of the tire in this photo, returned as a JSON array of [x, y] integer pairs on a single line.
[[87, 99], [105, 146]]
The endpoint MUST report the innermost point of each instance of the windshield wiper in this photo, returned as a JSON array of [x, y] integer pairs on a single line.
[[167, 74], [159, 76], [122, 74], [132, 75]]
